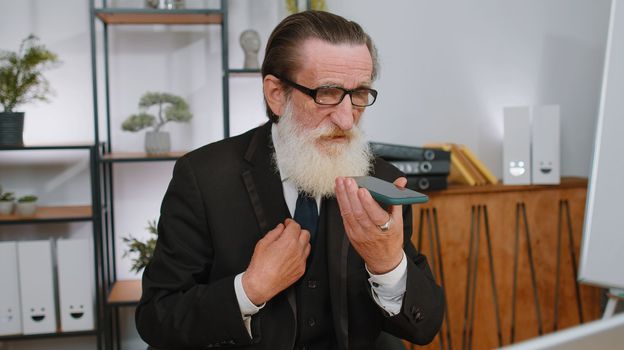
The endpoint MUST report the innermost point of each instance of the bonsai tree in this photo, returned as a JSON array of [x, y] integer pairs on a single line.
[[144, 249], [21, 74], [170, 108]]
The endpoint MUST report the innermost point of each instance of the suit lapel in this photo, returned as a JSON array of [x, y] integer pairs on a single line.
[[263, 183], [266, 194], [337, 251]]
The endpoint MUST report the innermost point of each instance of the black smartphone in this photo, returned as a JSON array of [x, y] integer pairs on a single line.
[[387, 193]]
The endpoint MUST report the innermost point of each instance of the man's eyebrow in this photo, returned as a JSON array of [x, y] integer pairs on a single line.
[[364, 85]]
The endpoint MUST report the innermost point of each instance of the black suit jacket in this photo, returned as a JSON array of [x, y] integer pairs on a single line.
[[221, 200]]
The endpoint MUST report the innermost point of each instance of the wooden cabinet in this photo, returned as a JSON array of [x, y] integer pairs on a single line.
[[507, 258]]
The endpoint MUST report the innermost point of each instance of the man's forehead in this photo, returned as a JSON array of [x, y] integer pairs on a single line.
[[326, 61]]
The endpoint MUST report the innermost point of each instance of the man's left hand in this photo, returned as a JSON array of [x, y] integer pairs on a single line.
[[361, 214]]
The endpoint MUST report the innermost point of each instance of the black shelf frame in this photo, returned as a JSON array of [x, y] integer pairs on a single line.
[[48, 335], [164, 158], [45, 221], [46, 147], [95, 219], [106, 164]]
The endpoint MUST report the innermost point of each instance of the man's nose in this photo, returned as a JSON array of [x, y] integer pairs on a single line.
[[343, 115]]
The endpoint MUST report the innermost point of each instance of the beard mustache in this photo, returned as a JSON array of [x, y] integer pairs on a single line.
[[313, 158]]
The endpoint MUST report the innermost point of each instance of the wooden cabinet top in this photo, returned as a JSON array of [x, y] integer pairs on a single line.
[[566, 183]]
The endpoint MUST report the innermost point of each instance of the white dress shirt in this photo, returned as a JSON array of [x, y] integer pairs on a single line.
[[388, 289]]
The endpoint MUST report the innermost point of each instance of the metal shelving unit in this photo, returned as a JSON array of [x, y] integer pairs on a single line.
[[68, 214], [127, 293]]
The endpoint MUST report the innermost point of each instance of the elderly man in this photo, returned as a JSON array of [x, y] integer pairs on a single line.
[[264, 240]]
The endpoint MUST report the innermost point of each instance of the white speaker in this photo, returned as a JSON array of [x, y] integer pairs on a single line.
[[517, 146], [545, 145], [36, 287], [74, 283], [10, 314]]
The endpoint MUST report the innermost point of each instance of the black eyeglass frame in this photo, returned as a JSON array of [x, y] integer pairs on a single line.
[[313, 92]]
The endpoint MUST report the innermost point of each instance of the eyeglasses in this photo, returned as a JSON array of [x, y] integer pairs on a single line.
[[333, 95]]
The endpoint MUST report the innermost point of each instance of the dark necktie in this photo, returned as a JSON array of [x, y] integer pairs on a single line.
[[306, 214]]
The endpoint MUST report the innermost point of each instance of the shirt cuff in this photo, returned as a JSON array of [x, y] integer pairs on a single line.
[[247, 308], [388, 289]]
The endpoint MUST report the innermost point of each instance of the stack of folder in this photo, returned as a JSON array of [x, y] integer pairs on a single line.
[[466, 168], [426, 169]]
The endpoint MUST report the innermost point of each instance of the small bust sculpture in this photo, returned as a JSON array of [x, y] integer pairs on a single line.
[[250, 42]]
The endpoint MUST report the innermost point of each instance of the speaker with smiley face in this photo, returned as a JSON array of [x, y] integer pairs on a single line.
[[10, 314], [36, 287], [74, 266], [517, 146], [545, 145]]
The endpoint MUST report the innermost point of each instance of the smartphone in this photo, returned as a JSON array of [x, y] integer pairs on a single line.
[[387, 193]]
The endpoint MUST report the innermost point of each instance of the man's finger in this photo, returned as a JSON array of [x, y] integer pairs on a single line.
[[275, 233], [401, 182], [304, 237], [344, 205], [377, 214]]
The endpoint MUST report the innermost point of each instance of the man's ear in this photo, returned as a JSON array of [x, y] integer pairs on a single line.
[[274, 94]]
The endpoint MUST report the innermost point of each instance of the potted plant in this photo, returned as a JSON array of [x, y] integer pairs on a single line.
[[21, 82], [170, 108], [144, 249], [7, 201], [26, 205]]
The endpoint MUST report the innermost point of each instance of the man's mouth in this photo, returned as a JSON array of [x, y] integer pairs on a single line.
[[336, 137]]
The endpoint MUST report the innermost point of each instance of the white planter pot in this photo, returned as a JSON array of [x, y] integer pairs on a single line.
[[157, 142], [6, 207], [26, 209]]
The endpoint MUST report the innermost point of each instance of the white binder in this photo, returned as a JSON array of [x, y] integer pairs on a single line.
[[546, 145], [36, 287], [10, 314], [517, 146], [74, 282]]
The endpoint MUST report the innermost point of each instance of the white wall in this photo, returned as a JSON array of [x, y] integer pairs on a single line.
[[448, 69]]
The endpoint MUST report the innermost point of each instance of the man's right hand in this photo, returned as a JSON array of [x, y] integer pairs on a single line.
[[278, 261]]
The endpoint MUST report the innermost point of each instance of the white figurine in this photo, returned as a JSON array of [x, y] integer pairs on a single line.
[[250, 42]]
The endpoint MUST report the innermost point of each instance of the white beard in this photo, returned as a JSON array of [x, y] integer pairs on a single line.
[[313, 165]]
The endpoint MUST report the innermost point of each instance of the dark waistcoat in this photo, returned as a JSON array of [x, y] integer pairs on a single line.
[[315, 327]]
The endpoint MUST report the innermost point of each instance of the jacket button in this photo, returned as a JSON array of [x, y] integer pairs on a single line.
[[312, 284], [311, 322], [416, 313]]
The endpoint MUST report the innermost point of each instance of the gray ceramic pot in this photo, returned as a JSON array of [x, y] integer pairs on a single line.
[[26, 208], [11, 129], [157, 142], [6, 207]]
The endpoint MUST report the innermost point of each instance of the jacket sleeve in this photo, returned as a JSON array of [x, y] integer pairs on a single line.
[[176, 310], [422, 310]]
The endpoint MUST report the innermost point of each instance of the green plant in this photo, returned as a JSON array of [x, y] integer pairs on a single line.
[[144, 249], [293, 6], [27, 199], [171, 108], [21, 78], [6, 196]]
